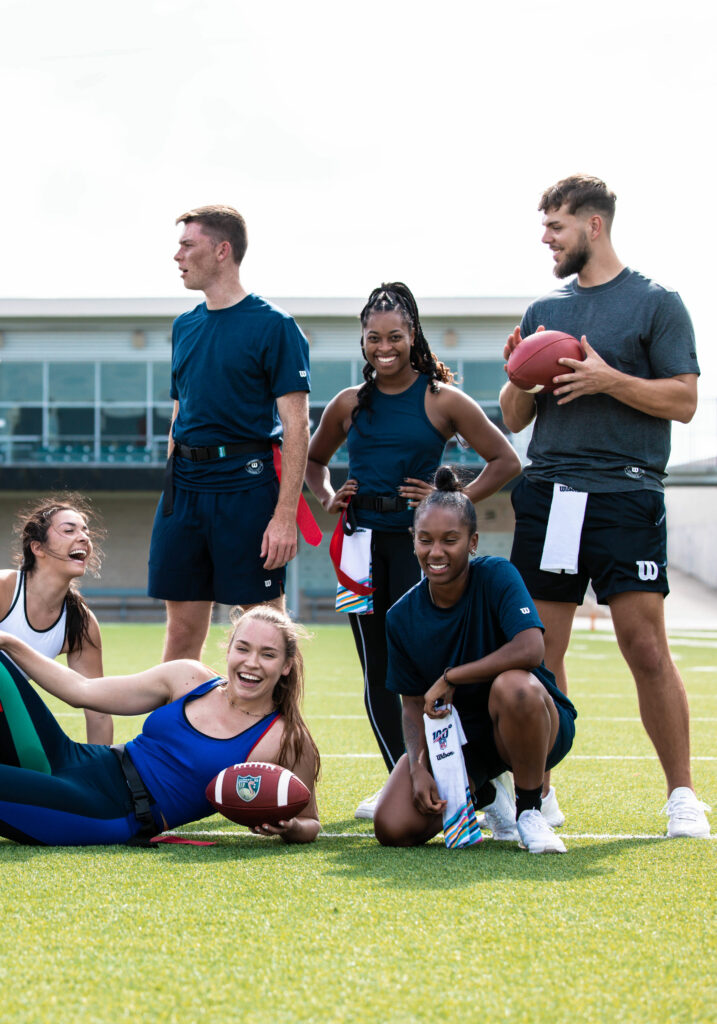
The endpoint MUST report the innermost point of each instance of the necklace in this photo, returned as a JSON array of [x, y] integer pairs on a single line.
[[235, 704]]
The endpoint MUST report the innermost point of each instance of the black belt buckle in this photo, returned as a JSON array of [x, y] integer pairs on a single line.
[[390, 503], [385, 503], [196, 454], [381, 502]]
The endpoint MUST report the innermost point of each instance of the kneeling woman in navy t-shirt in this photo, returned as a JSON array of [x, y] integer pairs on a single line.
[[58, 792], [468, 634]]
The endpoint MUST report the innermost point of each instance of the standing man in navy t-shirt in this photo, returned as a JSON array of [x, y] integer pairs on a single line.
[[590, 506], [225, 528]]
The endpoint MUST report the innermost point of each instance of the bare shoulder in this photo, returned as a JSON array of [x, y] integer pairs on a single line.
[[184, 675], [448, 395], [268, 747], [8, 582], [343, 403]]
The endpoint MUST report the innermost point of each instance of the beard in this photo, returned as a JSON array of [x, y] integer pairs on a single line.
[[573, 262]]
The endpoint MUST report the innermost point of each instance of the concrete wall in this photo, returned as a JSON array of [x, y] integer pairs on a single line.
[[128, 517], [691, 542]]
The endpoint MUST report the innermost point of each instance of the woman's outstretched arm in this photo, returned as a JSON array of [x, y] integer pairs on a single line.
[[117, 695]]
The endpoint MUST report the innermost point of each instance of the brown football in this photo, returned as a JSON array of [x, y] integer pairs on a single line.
[[534, 362], [257, 793]]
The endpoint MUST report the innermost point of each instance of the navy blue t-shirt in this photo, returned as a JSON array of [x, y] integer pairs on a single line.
[[424, 639], [228, 368]]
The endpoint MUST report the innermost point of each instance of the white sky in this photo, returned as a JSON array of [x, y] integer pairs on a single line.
[[362, 142]]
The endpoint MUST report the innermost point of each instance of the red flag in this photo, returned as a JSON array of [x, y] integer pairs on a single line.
[[304, 516], [335, 548]]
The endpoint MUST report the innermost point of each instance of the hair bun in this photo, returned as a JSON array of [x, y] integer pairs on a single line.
[[446, 480]]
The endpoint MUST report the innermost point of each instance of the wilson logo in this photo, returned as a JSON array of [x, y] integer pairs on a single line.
[[647, 570]]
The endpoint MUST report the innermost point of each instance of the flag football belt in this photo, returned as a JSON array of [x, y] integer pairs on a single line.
[[222, 451], [380, 502], [304, 517], [204, 454], [141, 798]]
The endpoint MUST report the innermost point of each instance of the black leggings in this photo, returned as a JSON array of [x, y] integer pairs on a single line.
[[395, 570]]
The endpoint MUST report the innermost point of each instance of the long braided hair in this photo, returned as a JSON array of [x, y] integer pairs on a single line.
[[394, 295]]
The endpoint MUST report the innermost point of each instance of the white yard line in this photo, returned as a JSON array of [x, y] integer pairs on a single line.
[[572, 757], [221, 833]]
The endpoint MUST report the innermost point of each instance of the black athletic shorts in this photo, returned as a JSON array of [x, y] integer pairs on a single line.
[[623, 546], [483, 762], [208, 548]]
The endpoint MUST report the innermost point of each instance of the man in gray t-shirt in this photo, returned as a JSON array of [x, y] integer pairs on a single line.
[[590, 507]]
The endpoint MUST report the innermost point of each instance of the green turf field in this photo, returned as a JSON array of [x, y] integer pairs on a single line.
[[621, 928]]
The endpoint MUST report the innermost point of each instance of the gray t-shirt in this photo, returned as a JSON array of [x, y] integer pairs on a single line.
[[597, 443]]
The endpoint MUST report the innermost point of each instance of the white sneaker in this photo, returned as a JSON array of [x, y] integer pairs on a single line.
[[550, 810], [366, 808], [536, 835], [499, 816], [687, 815]]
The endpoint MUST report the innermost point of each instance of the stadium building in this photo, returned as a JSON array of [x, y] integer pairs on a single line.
[[84, 404]]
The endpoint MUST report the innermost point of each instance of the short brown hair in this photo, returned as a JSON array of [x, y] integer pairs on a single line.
[[222, 224], [578, 191]]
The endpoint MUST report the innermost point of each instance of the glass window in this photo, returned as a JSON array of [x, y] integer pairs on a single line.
[[14, 420], [160, 381], [328, 377], [72, 382], [123, 382], [20, 382], [161, 418], [126, 427], [71, 425], [483, 380]]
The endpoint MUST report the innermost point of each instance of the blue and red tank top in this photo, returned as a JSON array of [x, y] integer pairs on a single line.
[[176, 761]]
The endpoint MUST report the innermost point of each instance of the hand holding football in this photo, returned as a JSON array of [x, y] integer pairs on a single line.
[[534, 362], [256, 793]]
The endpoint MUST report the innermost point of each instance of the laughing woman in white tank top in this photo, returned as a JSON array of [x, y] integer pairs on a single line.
[[39, 601]]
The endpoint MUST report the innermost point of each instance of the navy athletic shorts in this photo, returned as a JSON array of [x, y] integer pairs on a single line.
[[208, 548], [483, 762], [623, 546]]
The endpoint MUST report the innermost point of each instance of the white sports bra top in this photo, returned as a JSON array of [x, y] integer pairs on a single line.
[[48, 641]]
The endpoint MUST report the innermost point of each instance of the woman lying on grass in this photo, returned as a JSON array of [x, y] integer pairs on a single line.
[[58, 792], [469, 634]]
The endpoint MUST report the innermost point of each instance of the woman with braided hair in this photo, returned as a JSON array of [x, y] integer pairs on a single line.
[[396, 425]]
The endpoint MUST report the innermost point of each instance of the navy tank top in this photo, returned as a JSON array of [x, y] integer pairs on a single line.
[[176, 761], [389, 441]]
